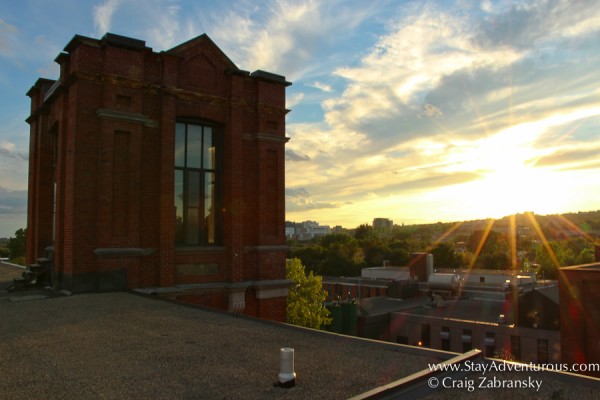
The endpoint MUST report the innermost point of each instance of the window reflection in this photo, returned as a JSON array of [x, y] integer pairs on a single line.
[[196, 177]]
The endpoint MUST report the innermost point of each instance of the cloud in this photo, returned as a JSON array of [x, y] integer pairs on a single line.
[[540, 24], [440, 97], [321, 86], [7, 32], [413, 59], [13, 201], [430, 111], [289, 37], [570, 158], [299, 199], [7, 150], [169, 27], [291, 155], [293, 100], [103, 15]]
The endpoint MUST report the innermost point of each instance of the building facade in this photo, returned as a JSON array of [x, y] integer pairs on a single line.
[[579, 313], [160, 170]]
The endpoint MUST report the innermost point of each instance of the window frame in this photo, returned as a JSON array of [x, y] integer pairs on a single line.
[[183, 234]]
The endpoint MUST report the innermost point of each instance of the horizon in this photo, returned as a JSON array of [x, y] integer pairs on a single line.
[[434, 221], [422, 111]]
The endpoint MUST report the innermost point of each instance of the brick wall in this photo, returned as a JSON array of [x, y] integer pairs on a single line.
[[115, 109], [579, 290]]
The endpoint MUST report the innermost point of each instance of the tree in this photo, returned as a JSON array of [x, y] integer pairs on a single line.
[[310, 256], [444, 256], [364, 232], [343, 256], [16, 246], [549, 261], [305, 297]]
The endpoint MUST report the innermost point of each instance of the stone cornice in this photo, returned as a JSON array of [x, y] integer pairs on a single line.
[[269, 137], [127, 116]]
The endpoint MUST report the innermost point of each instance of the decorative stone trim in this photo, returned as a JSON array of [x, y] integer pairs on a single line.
[[237, 291], [266, 137], [271, 289], [123, 252], [127, 116], [266, 249], [237, 300]]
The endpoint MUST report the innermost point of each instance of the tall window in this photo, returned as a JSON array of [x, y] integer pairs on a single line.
[[196, 184]]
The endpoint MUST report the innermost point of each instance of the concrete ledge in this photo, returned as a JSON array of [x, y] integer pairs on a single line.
[[248, 249], [123, 252], [127, 116], [415, 386], [192, 288], [12, 265]]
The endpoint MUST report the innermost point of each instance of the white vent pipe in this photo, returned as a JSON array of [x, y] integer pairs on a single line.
[[287, 376]]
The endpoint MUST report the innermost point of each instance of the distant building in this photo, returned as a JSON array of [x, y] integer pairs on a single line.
[[500, 312], [463, 324], [160, 170], [306, 230], [383, 224], [386, 281]]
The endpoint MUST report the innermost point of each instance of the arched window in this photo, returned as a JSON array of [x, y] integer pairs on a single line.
[[197, 184]]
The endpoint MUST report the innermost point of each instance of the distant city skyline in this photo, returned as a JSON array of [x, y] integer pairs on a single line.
[[414, 111]]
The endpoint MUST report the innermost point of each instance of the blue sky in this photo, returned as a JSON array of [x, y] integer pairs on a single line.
[[418, 111]]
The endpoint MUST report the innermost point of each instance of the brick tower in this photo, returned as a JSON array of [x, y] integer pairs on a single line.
[[162, 171]]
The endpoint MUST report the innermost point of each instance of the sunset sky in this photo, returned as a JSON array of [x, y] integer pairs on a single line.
[[410, 110]]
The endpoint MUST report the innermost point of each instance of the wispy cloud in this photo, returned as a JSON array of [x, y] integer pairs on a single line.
[[103, 15], [321, 86], [13, 201], [395, 105], [285, 35], [299, 199], [8, 150], [441, 85], [7, 32], [291, 155]]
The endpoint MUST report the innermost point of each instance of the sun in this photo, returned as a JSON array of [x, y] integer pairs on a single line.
[[508, 181]]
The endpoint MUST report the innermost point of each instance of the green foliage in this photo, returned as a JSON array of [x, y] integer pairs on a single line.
[[310, 256], [16, 246], [4, 252], [552, 257], [444, 256], [493, 249], [364, 232], [399, 254], [586, 256], [305, 298], [345, 255], [18, 260]]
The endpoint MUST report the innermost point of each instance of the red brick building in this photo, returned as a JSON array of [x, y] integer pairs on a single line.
[[580, 315], [160, 170]]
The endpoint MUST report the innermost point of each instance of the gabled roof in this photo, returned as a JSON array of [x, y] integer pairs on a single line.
[[197, 41], [550, 292]]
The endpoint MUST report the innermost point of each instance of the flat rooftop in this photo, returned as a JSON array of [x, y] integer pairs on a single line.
[[129, 346], [123, 345], [468, 309]]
